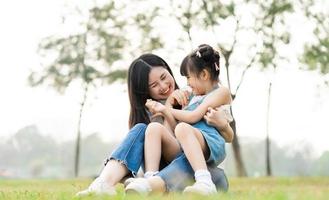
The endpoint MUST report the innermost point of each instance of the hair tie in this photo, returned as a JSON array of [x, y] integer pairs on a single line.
[[198, 54], [216, 66]]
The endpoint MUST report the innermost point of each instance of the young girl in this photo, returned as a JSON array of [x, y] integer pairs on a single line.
[[197, 139]]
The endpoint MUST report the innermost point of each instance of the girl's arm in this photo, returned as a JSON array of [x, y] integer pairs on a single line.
[[217, 98], [179, 97], [159, 109]]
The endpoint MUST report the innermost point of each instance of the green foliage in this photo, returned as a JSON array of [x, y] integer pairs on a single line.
[[273, 19], [316, 55], [115, 75], [216, 10], [269, 21], [144, 23], [89, 55], [76, 55]]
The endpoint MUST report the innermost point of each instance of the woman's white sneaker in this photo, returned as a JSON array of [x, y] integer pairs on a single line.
[[98, 186], [201, 188]]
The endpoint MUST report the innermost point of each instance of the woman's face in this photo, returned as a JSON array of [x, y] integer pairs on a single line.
[[161, 83]]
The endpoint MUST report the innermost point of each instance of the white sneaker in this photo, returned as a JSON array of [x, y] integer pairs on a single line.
[[201, 188], [98, 186], [138, 185]]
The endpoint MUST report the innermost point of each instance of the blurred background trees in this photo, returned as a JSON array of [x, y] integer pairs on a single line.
[[30, 154], [249, 34]]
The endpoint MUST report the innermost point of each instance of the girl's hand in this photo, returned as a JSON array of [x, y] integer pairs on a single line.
[[219, 117], [178, 97], [155, 107]]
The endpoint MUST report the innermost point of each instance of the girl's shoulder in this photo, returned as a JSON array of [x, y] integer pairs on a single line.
[[223, 89], [221, 92]]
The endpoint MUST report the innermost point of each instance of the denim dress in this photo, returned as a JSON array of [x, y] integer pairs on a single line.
[[213, 138]]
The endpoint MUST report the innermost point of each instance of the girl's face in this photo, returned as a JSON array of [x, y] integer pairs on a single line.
[[161, 83], [196, 83]]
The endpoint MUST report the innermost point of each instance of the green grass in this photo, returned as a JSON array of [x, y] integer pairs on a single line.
[[240, 188]]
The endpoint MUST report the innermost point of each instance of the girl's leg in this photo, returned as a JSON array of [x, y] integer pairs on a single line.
[[193, 144], [158, 141], [195, 149]]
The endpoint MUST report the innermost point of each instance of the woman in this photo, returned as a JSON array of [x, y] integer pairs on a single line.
[[158, 83]]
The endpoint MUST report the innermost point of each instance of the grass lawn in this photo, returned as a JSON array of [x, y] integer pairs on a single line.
[[240, 188]]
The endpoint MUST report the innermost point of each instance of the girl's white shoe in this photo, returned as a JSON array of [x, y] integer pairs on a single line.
[[138, 185], [202, 188], [99, 187]]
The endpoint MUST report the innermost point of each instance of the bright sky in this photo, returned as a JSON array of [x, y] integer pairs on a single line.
[[299, 111]]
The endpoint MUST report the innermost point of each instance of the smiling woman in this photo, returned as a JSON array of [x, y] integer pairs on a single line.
[[142, 86], [161, 83]]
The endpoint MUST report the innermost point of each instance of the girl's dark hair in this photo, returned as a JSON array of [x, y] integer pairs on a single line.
[[138, 86], [204, 57]]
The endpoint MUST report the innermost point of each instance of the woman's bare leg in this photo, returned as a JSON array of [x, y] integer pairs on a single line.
[[113, 172]]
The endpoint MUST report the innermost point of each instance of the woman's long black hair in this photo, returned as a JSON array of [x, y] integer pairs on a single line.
[[138, 86]]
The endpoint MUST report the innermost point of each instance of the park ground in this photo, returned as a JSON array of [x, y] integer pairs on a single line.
[[279, 188]]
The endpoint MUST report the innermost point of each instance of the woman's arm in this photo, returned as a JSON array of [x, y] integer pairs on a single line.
[[217, 98], [170, 120], [219, 119]]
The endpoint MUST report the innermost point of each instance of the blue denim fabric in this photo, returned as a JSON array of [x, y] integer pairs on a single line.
[[179, 174], [130, 151], [214, 140]]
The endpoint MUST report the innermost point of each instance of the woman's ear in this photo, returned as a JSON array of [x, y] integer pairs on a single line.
[[204, 75]]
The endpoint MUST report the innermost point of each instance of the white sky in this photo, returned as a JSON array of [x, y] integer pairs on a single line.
[[299, 110]]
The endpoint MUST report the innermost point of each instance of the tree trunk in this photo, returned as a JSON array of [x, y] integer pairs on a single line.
[[268, 158], [239, 165], [77, 146]]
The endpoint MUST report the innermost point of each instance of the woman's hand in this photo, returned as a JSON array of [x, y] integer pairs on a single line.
[[220, 118], [216, 117], [178, 97]]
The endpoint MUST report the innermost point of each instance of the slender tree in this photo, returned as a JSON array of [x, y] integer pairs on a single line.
[[212, 15], [89, 55]]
